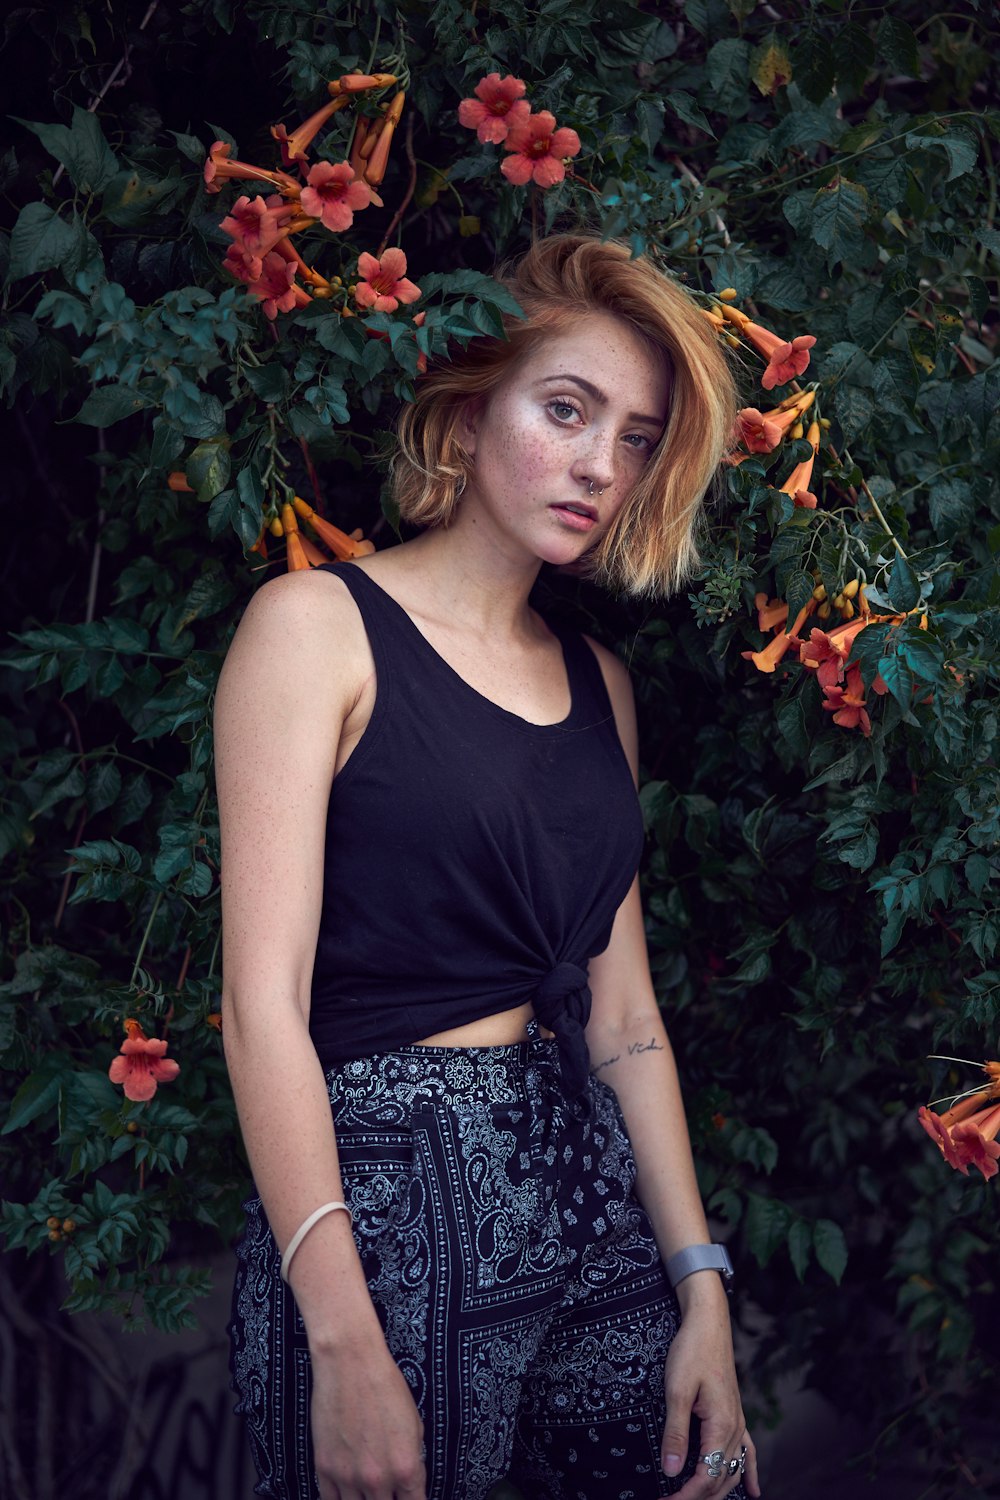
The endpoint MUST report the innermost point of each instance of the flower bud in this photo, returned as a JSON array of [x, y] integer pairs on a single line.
[[728, 294], [52, 1222], [68, 1226], [54, 1235], [850, 589]]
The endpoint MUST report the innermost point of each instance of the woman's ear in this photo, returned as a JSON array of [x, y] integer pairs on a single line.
[[468, 424]]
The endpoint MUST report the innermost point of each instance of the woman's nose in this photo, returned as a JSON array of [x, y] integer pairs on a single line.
[[596, 464]]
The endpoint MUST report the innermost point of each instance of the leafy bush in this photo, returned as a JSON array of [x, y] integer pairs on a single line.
[[820, 890]]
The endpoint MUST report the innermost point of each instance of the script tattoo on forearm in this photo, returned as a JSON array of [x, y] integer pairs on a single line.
[[633, 1049], [651, 1046]]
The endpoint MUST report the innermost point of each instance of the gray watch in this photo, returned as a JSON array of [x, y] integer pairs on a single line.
[[701, 1258]]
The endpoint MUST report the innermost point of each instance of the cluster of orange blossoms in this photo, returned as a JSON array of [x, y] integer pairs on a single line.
[[966, 1134], [500, 115], [825, 652], [327, 193]]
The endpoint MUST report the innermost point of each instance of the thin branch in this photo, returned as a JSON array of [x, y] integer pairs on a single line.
[[113, 75]]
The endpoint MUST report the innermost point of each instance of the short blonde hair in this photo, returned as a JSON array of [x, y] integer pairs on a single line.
[[651, 547]]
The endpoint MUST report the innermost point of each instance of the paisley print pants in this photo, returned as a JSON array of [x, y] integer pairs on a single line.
[[513, 1271]]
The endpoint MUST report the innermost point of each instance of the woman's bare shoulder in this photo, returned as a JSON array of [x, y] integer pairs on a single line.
[[301, 632]]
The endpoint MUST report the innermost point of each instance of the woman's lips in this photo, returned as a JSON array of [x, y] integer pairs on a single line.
[[574, 519]]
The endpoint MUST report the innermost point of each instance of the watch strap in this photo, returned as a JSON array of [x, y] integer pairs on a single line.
[[700, 1258]]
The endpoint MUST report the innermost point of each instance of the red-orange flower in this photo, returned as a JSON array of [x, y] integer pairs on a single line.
[[770, 612], [499, 104], [537, 150], [276, 286], [293, 147], [761, 432], [254, 225], [798, 482], [826, 653], [142, 1065], [966, 1133], [785, 358], [333, 194], [976, 1144], [781, 642], [382, 284], [847, 702], [219, 167]]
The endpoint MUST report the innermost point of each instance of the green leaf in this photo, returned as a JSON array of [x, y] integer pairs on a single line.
[[837, 219], [65, 310], [132, 196], [798, 591], [904, 589], [80, 147], [190, 146], [951, 507], [685, 108], [39, 1092], [898, 45], [978, 872], [728, 68], [854, 408], [831, 1248], [894, 383], [269, 382], [40, 241], [766, 1226], [898, 678], [961, 150], [800, 1242], [207, 468], [207, 419], [104, 782], [109, 404]]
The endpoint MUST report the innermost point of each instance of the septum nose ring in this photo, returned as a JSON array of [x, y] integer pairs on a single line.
[[590, 488]]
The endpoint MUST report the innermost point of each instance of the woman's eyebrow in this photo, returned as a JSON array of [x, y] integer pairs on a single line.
[[601, 399]]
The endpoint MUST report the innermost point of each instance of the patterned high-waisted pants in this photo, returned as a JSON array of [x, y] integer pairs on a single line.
[[514, 1273]]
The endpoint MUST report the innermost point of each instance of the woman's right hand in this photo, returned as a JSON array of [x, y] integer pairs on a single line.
[[367, 1432]]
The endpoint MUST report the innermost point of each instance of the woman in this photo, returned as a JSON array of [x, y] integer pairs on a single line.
[[432, 935]]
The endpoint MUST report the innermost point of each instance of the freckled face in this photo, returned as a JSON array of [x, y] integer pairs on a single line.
[[584, 410]]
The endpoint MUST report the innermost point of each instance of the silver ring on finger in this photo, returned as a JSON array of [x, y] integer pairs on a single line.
[[743, 1458], [734, 1466], [715, 1462]]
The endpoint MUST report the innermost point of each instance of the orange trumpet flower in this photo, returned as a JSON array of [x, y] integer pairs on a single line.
[[219, 166], [375, 168], [798, 481], [357, 83], [293, 147], [340, 544]]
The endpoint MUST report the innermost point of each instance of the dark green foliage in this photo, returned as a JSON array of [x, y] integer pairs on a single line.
[[821, 903]]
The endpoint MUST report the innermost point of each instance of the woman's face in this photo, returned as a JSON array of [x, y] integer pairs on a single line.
[[559, 445]]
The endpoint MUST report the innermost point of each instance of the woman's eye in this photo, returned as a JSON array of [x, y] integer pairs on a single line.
[[640, 442], [563, 410]]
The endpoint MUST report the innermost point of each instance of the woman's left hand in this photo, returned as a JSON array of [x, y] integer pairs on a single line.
[[700, 1380]]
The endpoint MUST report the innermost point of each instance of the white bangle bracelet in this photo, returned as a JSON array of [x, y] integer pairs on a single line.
[[303, 1230]]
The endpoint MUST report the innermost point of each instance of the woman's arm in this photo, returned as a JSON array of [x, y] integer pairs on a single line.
[[629, 1050], [295, 670]]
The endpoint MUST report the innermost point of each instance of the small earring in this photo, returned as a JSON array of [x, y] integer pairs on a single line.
[[460, 488]]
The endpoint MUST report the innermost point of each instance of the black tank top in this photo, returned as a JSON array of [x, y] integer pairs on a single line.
[[473, 860]]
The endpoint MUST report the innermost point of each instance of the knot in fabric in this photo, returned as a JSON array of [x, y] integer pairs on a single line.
[[562, 1003]]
